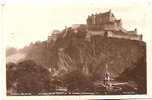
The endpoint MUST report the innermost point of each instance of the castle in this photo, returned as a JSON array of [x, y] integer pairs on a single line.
[[104, 24]]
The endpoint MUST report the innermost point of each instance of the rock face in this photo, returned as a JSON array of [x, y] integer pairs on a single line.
[[137, 74], [74, 52]]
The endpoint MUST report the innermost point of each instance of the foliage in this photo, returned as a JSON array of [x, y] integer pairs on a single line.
[[29, 78]]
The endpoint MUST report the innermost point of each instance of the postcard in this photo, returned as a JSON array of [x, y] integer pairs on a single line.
[[91, 49]]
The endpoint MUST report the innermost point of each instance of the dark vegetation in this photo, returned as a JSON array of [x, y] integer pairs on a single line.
[[76, 62], [28, 77], [137, 74]]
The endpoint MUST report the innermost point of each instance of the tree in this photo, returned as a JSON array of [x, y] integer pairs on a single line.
[[30, 78]]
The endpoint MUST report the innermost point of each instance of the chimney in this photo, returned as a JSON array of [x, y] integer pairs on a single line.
[[135, 30]]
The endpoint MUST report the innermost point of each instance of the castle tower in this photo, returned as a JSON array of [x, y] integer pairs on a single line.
[[103, 21]]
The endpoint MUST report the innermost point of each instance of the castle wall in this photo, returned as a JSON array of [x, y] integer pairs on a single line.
[[131, 32], [125, 36], [96, 33], [112, 26]]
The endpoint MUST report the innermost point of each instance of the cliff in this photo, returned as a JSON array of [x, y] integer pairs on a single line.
[[75, 52]]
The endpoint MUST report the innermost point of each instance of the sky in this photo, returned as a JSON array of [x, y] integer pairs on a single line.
[[33, 20]]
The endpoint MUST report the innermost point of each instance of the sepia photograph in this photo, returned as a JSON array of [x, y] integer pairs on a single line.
[[75, 48]]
